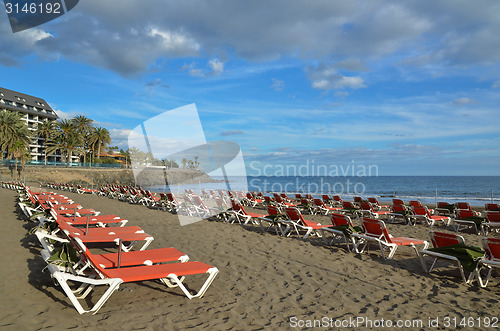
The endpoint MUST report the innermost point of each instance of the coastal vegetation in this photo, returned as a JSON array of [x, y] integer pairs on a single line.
[[74, 140]]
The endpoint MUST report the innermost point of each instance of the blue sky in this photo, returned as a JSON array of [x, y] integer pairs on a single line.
[[412, 87]]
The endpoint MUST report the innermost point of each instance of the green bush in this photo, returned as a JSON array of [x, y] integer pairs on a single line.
[[106, 160]]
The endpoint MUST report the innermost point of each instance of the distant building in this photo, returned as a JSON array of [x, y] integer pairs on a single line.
[[118, 157], [34, 110]]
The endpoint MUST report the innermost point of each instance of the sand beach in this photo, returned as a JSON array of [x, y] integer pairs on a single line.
[[265, 281]]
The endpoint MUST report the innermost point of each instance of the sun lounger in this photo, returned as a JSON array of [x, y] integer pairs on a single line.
[[376, 205], [79, 212], [452, 248], [399, 212], [366, 208], [491, 259], [423, 214], [349, 207], [275, 220], [469, 219], [130, 235], [492, 223], [301, 225], [201, 209], [171, 274], [338, 200], [282, 202], [397, 201], [123, 259], [357, 200], [444, 209], [342, 229], [491, 208], [241, 215], [464, 206], [253, 201], [320, 207], [376, 232], [327, 200], [29, 210]]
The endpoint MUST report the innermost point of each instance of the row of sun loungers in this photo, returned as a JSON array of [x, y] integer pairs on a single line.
[[359, 207], [459, 215], [66, 229], [446, 246], [71, 188], [284, 217]]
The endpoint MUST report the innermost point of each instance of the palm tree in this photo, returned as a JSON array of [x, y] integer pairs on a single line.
[[83, 126], [100, 137], [66, 128], [10, 123], [25, 156], [196, 163], [126, 154], [65, 145], [82, 123], [21, 140], [46, 129], [66, 140], [136, 156], [20, 150], [184, 162]]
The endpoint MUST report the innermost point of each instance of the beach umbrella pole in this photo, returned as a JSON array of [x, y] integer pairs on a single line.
[[87, 226], [119, 252]]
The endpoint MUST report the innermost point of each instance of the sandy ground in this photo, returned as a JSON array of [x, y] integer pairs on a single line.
[[265, 281]]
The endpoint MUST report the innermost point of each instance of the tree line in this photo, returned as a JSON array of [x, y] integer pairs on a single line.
[[70, 137], [141, 157]]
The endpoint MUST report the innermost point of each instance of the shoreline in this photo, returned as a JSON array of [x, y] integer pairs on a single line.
[[192, 179]]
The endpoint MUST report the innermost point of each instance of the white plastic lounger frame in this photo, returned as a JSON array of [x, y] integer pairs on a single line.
[[338, 235], [450, 258], [275, 225]]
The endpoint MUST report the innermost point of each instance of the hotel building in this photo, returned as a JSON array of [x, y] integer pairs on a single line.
[[34, 111]]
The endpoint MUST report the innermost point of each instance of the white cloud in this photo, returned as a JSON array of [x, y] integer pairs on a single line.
[[15, 46], [216, 66], [196, 73], [64, 115], [130, 37], [324, 77], [173, 42], [463, 101], [119, 137], [496, 84], [277, 85]]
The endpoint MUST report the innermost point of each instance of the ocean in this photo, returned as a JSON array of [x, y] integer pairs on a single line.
[[477, 190]]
